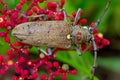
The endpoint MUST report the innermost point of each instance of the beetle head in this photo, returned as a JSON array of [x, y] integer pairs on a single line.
[[80, 34]]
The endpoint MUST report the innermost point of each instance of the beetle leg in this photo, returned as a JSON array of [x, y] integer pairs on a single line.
[[78, 50], [95, 57], [49, 51], [77, 17], [77, 47], [47, 54], [34, 16], [65, 15]]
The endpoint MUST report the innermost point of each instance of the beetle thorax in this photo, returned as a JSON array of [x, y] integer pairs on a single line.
[[80, 34]]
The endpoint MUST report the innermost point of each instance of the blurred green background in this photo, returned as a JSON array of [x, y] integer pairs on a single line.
[[108, 57]]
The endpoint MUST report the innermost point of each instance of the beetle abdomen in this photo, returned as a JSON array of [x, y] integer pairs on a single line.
[[44, 33]]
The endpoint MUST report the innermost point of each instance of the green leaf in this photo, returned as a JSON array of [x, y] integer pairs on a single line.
[[3, 47], [11, 3], [110, 63], [82, 64]]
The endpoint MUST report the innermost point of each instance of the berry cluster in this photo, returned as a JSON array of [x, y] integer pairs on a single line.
[[17, 55]]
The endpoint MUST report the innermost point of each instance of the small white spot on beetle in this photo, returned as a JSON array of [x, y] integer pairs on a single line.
[[38, 41]]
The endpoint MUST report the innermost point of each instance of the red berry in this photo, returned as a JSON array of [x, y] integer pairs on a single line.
[[19, 7], [33, 76], [43, 77], [22, 2], [18, 70], [25, 73], [21, 60], [15, 15], [34, 10], [83, 21], [49, 64], [3, 71], [64, 76], [7, 39], [106, 42], [10, 53], [16, 44], [62, 3], [92, 24], [73, 72], [14, 78], [25, 51], [74, 14], [57, 73], [52, 6], [24, 20], [1, 59], [56, 64], [29, 13], [2, 34]]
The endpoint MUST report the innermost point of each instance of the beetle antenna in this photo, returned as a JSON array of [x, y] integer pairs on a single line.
[[65, 15], [77, 17], [100, 18], [95, 57]]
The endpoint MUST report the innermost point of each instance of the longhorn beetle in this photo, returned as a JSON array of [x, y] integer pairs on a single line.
[[57, 34]]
